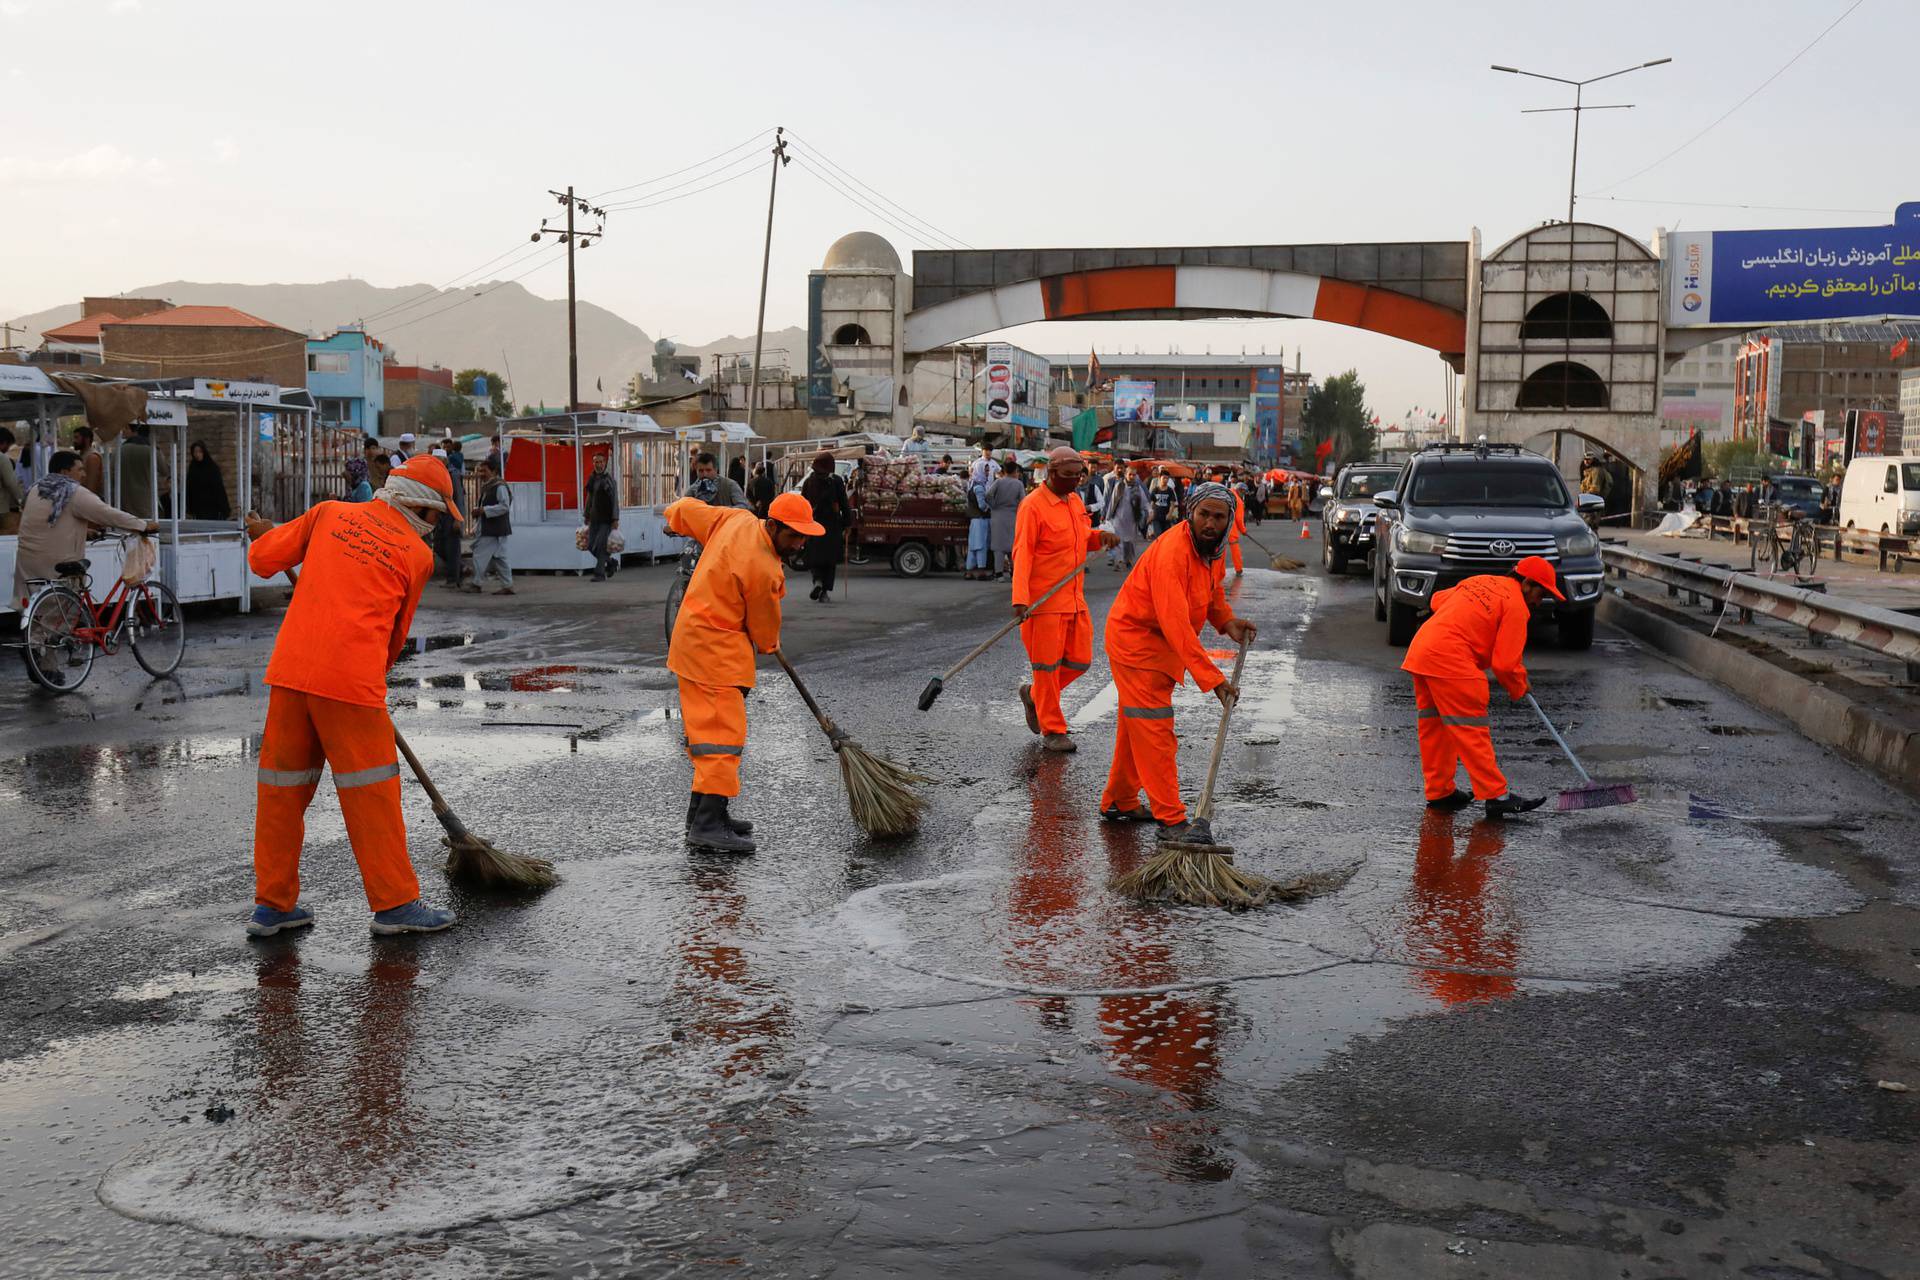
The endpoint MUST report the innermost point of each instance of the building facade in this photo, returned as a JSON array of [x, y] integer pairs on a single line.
[[346, 374], [1699, 393], [1788, 375], [410, 392], [205, 342]]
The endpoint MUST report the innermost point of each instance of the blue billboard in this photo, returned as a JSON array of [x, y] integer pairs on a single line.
[[1754, 278]]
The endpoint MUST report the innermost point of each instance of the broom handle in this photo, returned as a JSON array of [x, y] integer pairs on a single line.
[[1205, 808], [1571, 758], [440, 805], [832, 730], [1001, 634]]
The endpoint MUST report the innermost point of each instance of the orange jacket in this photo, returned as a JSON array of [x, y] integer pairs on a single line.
[[732, 606], [1478, 626], [1155, 621], [362, 568], [1051, 538]]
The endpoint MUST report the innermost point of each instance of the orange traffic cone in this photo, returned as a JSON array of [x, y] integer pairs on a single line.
[[1303, 530]]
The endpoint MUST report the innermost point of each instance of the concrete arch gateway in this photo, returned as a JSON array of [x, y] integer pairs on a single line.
[[945, 313]]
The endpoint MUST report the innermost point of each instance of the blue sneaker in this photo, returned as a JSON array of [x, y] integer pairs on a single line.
[[412, 917], [265, 921]]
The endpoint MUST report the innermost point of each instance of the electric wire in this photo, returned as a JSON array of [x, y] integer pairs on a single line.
[[1729, 204], [698, 164], [1722, 118], [818, 175], [559, 252], [440, 290], [843, 171], [650, 202]]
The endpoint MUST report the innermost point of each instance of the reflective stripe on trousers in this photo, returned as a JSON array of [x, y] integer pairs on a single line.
[[1454, 730], [715, 719], [1059, 647]]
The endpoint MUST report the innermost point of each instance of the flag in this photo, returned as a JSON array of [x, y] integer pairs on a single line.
[[1900, 348], [1103, 436], [1093, 371], [1086, 425], [1320, 452]]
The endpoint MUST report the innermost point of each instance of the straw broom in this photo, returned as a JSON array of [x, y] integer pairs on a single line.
[[472, 859], [1198, 872], [880, 793], [1285, 564]]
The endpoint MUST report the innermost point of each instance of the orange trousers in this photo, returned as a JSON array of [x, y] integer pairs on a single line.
[[1454, 729], [1144, 746], [1060, 647], [715, 719], [304, 732], [1233, 546]]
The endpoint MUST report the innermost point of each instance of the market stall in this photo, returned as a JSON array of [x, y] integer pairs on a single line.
[[548, 459]]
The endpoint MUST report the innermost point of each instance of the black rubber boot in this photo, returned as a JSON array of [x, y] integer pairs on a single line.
[[709, 829], [739, 826], [1458, 800], [1502, 806]]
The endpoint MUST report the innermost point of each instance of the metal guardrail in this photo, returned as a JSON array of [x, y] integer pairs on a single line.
[[1885, 631], [1839, 541]]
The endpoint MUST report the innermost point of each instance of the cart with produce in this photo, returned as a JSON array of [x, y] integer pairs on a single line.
[[914, 517]]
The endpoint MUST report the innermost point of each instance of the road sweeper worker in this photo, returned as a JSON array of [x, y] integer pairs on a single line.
[[1476, 627], [1153, 642], [731, 610], [1238, 527], [362, 567], [1052, 536]]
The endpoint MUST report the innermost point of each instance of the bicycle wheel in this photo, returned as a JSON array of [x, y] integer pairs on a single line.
[[674, 595], [1766, 545], [1805, 550], [57, 658], [156, 628]]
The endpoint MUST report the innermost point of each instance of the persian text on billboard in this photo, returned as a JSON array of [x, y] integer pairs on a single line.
[[1795, 276], [1017, 389], [1132, 401]]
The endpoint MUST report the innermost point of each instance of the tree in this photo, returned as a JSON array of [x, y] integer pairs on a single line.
[[1727, 456], [1336, 410], [450, 409], [501, 407]]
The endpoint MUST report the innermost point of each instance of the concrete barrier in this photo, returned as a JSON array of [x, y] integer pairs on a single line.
[[1830, 718]]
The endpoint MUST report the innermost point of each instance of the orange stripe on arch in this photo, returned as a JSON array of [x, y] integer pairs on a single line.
[[1394, 314], [1086, 293]]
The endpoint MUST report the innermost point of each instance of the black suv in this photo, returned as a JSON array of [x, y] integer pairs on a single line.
[[1466, 509], [1347, 513]]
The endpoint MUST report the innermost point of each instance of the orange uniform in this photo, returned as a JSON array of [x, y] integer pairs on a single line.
[[1051, 538], [1234, 530], [731, 609], [1153, 642], [362, 570], [1477, 626]]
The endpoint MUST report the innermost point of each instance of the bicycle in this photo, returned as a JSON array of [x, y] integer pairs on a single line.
[[1798, 553], [689, 558], [65, 627]]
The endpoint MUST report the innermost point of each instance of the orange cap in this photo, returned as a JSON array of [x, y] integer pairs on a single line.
[[795, 512], [431, 472], [1540, 573]]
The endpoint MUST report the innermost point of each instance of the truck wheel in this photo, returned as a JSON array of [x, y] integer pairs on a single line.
[[1379, 603], [1402, 621], [1333, 558], [912, 559], [1576, 630]]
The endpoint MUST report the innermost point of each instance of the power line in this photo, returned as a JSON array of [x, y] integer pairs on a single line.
[[751, 165], [1722, 118], [910, 215], [1728, 204], [698, 164], [917, 237], [481, 293], [440, 290]]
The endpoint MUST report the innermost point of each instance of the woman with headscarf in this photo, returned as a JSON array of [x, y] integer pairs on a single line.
[[359, 488], [827, 492], [1004, 496], [206, 487]]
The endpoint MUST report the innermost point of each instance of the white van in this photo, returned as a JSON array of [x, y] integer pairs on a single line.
[[1882, 495]]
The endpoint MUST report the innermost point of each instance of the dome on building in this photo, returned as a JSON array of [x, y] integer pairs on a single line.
[[858, 249]]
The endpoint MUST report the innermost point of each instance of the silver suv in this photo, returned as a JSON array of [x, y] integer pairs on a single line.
[[1465, 509]]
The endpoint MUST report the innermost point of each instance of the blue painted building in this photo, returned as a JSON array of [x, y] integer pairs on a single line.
[[346, 378]]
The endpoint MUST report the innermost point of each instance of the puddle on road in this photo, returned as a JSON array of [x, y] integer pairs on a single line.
[[449, 640]]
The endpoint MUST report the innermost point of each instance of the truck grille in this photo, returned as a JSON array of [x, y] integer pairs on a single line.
[[1500, 548]]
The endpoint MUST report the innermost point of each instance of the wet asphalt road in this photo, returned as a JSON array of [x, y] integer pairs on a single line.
[[1639, 1042]]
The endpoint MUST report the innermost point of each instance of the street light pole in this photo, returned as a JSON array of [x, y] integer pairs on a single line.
[[1579, 93], [780, 158]]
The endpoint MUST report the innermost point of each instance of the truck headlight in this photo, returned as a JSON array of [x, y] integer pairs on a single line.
[[1346, 515], [1580, 542], [1418, 543]]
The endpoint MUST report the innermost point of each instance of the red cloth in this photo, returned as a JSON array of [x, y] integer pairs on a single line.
[[362, 568]]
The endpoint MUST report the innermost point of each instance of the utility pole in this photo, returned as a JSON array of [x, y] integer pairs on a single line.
[[780, 159], [584, 239], [7, 330]]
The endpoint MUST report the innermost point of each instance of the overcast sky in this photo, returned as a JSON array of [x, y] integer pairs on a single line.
[[407, 141]]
